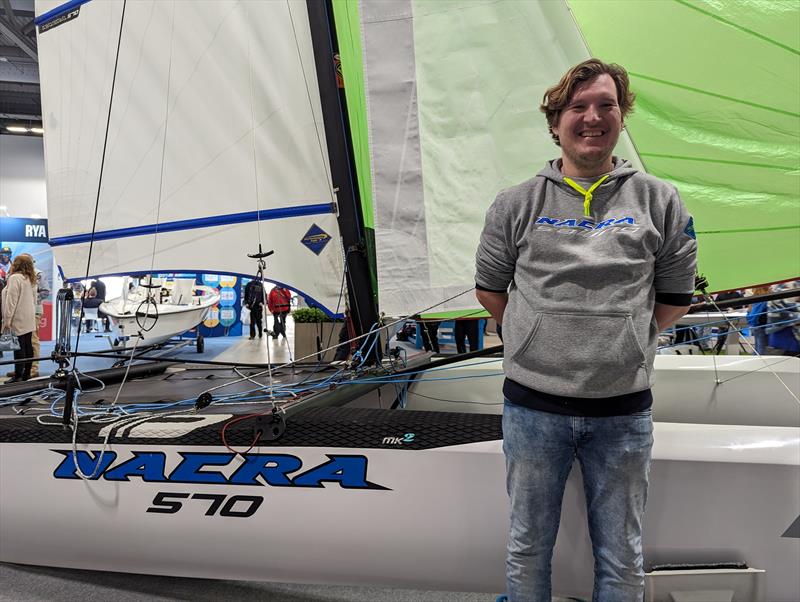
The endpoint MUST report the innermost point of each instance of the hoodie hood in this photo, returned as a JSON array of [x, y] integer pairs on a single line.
[[621, 171]]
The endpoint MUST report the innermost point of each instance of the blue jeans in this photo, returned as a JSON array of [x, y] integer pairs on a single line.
[[614, 454]]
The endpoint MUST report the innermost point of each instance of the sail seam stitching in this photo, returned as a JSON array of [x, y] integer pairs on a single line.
[[739, 27], [713, 94]]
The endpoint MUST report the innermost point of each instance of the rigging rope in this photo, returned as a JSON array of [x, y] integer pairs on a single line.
[[73, 369]]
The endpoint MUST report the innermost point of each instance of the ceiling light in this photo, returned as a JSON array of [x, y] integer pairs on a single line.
[[37, 131], [17, 129]]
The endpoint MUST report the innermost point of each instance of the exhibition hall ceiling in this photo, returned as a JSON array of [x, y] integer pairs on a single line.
[[20, 99]]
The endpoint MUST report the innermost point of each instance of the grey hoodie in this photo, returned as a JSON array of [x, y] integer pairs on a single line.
[[579, 320]]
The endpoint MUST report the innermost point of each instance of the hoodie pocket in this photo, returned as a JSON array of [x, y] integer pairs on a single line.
[[581, 355]]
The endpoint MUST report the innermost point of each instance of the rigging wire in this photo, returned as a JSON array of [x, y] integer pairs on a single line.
[[321, 353], [76, 419], [253, 127], [324, 160], [150, 299], [164, 142], [261, 262], [732, 326], [322, 153], [100, 175]]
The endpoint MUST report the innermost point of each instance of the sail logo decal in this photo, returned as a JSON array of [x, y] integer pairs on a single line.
[[316, 239], [587, 226], [275, 470], [59, 15]]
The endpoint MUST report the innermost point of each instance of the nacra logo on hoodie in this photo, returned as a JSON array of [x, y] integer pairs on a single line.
[[588, 226]]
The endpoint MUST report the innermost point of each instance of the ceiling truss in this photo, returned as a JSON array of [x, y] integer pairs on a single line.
[[20, 97]]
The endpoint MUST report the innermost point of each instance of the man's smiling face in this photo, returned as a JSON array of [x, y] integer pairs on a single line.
[[589, 127]]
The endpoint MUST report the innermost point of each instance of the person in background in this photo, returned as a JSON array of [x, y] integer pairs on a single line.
[[757, 320], [19, 312], [466, 328], [100, 293], [42, 293], [91, 301], [2, 286], [783, 321], [279, 303], [254, 301], [429, 332], [583, 265], [723, 328], [345, 334], [5, 262], [99, 289]]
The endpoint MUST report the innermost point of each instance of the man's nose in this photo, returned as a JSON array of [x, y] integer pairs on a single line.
[[592, 114]]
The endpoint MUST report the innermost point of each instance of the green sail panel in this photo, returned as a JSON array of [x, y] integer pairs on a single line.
[[718, 115], [452, 96]]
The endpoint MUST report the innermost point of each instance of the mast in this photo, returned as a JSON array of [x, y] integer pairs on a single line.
[[363, 309]]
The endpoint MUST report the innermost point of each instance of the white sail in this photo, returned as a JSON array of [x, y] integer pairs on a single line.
[[453, 90], [215, 142]]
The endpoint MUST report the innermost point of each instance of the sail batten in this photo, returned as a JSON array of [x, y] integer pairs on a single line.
[[201, 222]]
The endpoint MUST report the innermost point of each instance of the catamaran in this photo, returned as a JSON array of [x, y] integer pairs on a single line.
[[199, 133]]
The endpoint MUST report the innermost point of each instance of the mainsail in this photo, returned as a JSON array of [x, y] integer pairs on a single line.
[[452, 90], [181, 135]]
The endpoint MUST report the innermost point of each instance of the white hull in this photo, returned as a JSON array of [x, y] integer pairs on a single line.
[[130, 318], [441, 523], [686, 389], [720, 492]]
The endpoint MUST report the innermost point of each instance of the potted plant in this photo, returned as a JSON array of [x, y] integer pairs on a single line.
[[314, 331]]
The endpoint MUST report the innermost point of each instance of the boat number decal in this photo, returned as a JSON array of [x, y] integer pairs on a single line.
[[406, 438], [167, 502], [275, 470], [59, 20]]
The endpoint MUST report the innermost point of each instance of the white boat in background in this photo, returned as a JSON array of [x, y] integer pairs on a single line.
[[153, 314]]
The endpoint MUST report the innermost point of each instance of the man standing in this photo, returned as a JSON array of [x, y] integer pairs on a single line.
[[583, 266], [279, 304], [254, 301]]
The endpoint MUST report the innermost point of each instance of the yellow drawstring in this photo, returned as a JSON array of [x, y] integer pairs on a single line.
[[587, 194]]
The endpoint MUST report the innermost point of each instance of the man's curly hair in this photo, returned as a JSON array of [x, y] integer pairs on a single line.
[[558, 97]]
